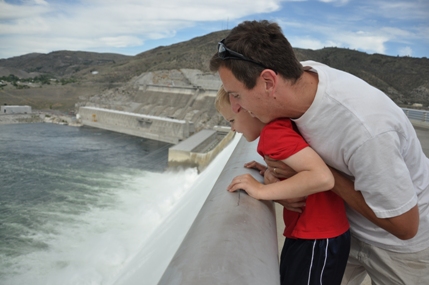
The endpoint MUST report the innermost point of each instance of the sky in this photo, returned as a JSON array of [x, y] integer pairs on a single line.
[[129, 27]]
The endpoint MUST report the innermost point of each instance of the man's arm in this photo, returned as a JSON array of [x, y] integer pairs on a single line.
[[404, 226]]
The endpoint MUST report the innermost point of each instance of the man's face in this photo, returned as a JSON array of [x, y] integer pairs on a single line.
[[254, 100]]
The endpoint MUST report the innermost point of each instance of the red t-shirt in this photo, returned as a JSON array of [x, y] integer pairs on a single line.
[[324, 215]]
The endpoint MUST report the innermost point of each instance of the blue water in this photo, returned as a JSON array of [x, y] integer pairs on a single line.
[[77, 203]]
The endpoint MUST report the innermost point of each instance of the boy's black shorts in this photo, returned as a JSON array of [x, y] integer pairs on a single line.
[[317, 261]]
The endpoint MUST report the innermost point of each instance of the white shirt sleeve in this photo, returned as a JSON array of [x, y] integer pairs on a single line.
[[383, 176]]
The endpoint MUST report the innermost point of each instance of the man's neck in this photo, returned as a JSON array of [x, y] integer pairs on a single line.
[[303, 93]]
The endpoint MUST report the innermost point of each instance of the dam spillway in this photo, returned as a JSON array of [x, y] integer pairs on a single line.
[[146, 126]]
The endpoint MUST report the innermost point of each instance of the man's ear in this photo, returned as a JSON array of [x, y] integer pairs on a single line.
[[270, 79]]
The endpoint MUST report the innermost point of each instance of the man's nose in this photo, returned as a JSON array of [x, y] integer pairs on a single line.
[[234, 104]]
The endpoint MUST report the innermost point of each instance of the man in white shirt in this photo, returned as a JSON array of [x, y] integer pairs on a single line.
[[357, 130]]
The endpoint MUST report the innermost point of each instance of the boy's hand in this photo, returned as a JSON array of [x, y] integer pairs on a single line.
[[256, 165], [248, 184]]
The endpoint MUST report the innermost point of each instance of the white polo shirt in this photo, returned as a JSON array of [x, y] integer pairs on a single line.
[[360, 131]]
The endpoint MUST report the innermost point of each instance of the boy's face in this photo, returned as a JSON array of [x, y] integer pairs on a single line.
[[242, 122]]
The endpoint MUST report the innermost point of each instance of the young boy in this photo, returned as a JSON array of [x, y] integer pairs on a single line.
[[317, 242]]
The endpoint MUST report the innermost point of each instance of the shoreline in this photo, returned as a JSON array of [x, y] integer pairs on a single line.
[[39, 117]]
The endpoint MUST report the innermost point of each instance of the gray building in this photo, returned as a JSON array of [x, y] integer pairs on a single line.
[[15, 109]]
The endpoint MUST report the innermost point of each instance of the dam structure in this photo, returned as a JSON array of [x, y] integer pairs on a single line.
[[185, 95], [175, 106], [146, 126]]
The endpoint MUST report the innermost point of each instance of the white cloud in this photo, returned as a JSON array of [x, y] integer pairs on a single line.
[[97, 25], [406, 51], [318, 36], [121, 41], [40, 2], [14, 12], [308, 43], [365, 42], [336, 2], [401, 9], [25, 26], [113, 23]]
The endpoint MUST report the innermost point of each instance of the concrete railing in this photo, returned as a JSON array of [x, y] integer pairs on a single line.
[[233, 240]]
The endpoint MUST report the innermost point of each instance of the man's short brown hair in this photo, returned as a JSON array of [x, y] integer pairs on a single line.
[[262, 42]]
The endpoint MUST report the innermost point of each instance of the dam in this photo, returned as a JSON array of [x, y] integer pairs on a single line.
[[150, 127]]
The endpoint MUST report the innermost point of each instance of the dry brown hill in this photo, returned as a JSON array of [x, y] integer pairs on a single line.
[[62, 63], [404, 79]]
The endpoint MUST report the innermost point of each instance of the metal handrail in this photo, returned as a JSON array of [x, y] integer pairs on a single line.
[[418, 115]]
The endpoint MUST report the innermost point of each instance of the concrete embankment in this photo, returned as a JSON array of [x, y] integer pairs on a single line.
[[146, 126], [200, 149], [20, 118], [183, 94], [191, 150], [38, 117]]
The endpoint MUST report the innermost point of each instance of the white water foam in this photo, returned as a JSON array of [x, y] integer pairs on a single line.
[[137, 226], [153, 257], [92, 248]]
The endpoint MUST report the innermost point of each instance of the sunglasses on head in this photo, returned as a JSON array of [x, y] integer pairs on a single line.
[[225, 53]]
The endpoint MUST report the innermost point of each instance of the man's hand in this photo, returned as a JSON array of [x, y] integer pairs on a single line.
[[256, 165], [279, 169], [294, 205]]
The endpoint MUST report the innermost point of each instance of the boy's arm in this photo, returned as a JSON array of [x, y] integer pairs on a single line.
[[313, 176], [295, 204], [403, 227]]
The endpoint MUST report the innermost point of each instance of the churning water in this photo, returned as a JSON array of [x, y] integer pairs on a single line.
[[76, 203]]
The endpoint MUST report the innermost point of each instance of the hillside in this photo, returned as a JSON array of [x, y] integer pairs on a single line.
[[404, 79], [61, 63]]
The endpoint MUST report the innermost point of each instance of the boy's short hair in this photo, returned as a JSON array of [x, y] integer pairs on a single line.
[[263, 42], [222, 98]]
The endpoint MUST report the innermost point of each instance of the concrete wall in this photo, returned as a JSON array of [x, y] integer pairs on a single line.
[[184, 94], [192, 151], [213, 236], [15, 109], [233, 240], [169, 89], [151, 127]]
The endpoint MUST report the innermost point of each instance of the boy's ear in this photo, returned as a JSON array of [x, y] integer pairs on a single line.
[[270, 79]]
